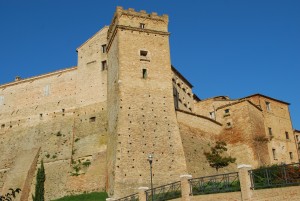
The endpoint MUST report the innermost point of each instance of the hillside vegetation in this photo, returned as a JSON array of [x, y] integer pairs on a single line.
[[95, 196]]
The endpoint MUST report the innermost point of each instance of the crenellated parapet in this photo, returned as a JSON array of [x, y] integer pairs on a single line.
[[137, 21]]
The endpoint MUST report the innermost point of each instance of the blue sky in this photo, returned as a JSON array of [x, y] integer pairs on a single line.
[[233, 48]]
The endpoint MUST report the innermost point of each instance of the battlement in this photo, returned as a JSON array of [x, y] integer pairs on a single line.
[[137, 21], [141, 13]]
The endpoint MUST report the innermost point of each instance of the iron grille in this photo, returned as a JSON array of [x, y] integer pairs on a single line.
[[165, 192], [275, 176], [215, 184], [133, 197]]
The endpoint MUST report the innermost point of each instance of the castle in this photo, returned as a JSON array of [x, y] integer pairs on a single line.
[[95, 124]]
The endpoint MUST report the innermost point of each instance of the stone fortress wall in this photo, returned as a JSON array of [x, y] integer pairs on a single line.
[[95, 124]]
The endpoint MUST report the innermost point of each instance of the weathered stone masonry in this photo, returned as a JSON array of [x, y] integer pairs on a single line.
[[95, 124]]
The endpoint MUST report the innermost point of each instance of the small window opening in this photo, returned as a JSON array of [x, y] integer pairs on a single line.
[[270, 131], [142, 25], [287, 135], [104, 48], [104, 65], [274, 154], [92, 119], [268, 104], [63, 110], [291, 155], [3, 126], [226, 111], [143, 53], [47, 90], [212, 115], [1, 100], [145, 73], [297, 138], [228, 124], [41, 115]]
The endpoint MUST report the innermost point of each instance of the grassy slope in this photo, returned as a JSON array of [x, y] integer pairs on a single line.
[[96, 196]]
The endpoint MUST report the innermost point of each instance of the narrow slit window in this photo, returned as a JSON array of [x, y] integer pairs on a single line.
[[1, 100], [212, 115], [270, 131], [287, 135], [47, 90], [268, 105], [104, 48], [274, 153], [104, 65], [145, 73], [291, 155], [142, 25]]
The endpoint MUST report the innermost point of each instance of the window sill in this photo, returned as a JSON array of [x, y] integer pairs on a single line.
[[144, 59]]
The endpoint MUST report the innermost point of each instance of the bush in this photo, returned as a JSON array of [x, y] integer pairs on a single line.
[[95, 196]]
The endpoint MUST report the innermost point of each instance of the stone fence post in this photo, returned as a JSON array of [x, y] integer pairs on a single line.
[[245, 182], [142, 193], [185, 187], [110, 199]]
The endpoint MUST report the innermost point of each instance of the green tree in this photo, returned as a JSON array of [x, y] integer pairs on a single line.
[[215, 158], [39, 186]]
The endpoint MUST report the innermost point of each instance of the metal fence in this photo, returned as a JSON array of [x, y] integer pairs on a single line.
[[165, 192], [275, 176], [133, 197], [215, 184]]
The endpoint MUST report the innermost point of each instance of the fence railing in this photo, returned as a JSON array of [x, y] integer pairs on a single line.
[[133, 197], [165, 192], [215, 184], [275, 176]]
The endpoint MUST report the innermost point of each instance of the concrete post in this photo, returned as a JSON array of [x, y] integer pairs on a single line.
[[142, 193], [185, 187], [245, 182]]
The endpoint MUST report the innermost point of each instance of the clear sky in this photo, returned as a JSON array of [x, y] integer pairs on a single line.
[[228, 47]]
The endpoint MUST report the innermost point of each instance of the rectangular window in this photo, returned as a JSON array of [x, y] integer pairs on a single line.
[[212, 115], [47, 90], [268, 104], [297, 138], [274, 154], [142, 25], [143, 53], [1, 100], [291, 155], [92, 119], [145, 73], [226, 113], [270, 131], [287, 135], [104, 65], [104, 48]]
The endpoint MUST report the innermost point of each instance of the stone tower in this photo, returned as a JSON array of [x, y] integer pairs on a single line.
[[140, 103]]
